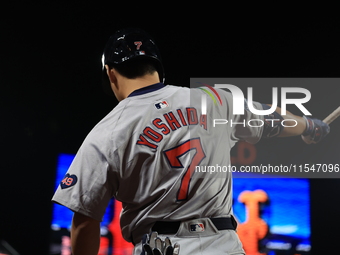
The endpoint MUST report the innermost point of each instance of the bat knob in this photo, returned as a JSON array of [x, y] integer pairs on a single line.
[[315, 131], [307, 139]]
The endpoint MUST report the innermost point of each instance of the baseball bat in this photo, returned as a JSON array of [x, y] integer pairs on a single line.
[[328, 120]]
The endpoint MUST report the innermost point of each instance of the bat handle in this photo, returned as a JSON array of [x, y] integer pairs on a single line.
[[330, 118]]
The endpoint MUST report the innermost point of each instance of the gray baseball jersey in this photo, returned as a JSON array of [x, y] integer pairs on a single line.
[[146, 154]]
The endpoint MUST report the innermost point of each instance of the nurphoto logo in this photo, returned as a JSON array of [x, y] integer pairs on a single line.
[[239, 104]]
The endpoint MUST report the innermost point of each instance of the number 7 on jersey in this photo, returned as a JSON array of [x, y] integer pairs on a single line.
[[173, 155]]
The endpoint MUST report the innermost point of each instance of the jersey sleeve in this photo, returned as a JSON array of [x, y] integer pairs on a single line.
[[246, 127], [85, 188]]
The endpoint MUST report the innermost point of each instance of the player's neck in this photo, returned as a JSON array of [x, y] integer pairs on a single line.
[[127, 86]]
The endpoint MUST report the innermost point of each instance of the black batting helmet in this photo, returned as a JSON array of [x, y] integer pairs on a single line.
[[128, 44]]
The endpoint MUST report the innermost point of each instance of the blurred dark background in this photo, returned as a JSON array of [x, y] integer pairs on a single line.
[[51, 92]]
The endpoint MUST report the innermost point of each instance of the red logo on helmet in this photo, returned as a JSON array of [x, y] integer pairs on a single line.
[[138, 44]]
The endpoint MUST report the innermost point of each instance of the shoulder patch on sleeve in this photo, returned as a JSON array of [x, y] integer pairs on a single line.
[[68, 181]]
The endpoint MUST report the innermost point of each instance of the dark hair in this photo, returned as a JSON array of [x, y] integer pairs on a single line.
[[136, 67]]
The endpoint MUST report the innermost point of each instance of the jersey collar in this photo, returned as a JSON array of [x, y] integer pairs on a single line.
[[147, 89]]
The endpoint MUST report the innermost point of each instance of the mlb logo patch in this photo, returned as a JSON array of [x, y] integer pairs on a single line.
[[161, 105], [199, 227]]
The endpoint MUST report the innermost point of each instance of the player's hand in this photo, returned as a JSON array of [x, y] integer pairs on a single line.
[[316, 130], [153, 245]]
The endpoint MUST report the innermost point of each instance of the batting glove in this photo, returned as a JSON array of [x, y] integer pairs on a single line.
[[153, 245], [316, 129]]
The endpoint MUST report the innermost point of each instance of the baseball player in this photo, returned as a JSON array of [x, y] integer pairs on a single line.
[[145, 151]]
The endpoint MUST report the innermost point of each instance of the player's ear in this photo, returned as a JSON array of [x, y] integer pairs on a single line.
[[111, 73]]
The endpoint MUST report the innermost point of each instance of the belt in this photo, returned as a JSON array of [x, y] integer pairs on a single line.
[[171, 227]]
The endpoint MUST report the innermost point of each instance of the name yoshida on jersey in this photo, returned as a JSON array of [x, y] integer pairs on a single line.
[[168, 123]]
